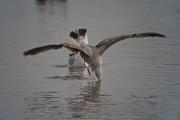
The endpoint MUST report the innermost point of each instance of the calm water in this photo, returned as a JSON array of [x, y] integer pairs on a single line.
[[141, 77]]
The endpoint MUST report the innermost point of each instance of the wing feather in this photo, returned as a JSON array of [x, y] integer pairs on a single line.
[[71, 46], [41, 49], [105, 44]]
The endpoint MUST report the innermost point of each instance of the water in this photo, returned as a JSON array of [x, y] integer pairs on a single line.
[[140, 76]]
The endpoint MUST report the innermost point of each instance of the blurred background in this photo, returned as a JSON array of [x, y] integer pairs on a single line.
[[140, 76]]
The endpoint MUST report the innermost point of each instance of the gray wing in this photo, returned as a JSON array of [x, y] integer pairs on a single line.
[[70, 46], [105, 44], [41, 49]]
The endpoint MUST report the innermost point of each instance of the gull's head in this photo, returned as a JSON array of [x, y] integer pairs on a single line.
[[98, 72]]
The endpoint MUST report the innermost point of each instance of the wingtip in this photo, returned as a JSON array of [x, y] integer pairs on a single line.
[[79, 32], [82, 31], [73, 35], [29, 53], [164, 36], [160, 35], [149, 34], [26, 53]]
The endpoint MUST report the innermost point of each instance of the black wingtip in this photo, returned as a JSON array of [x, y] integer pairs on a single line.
[[79, 32], [73, 34], [154, 34], [26, 53], [82, 31], [157, 34], [161, 35], [148, 34]]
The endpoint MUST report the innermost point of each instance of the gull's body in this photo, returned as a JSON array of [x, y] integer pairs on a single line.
[[92, 55]]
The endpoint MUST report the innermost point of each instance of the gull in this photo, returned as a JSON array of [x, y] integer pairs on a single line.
[[79, 36], [92, 55]]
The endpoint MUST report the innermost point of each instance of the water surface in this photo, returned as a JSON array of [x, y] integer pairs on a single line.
[[140, 76]]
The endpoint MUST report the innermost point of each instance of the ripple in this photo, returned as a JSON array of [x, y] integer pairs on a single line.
[[68, 77], [60, 66], [145, 97], [43, 104]]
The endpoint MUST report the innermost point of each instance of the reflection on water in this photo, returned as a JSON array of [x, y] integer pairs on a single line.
[[68, 77], [140, 77], [43, 105], [51, 2], [88, 102], [75, 73], [52, 5], [52, 14]]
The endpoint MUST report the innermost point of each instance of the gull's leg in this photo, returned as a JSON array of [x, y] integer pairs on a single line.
[[89, 71]]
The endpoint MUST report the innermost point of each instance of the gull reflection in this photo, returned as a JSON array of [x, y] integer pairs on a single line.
[[44, 2], [52, 7], [74, 73], [91, 91], [88, 102], [80, 71]]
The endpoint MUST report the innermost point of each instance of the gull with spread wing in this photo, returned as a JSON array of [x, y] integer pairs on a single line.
[[92, 55], [79, 36]]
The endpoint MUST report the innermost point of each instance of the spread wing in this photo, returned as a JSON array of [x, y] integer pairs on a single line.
[[41, 49], [70, 46], [105, 44]]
